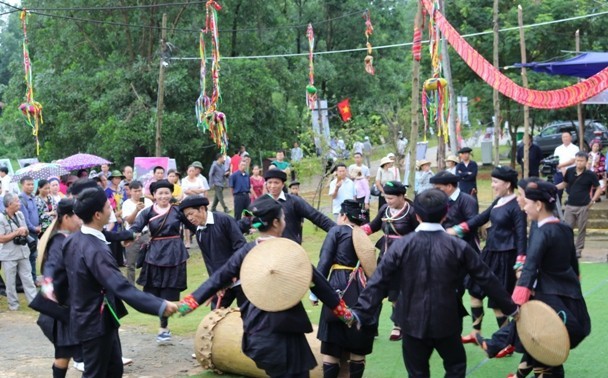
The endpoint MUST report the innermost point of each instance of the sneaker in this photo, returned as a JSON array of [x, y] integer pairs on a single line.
[[79, 366], [127, 361], [163, 337], [395, 334]]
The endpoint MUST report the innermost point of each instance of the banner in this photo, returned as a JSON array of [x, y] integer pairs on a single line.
[[344, 110]]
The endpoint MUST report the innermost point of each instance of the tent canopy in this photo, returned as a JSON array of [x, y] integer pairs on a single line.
[[584, 65]]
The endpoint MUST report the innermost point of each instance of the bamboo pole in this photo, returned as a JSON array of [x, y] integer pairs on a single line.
[[524, 79], [415, 106], [160, 101], [447, 73], [495, 94], [579, 106]]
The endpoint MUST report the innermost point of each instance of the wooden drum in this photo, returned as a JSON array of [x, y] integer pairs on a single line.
[[217, 345]]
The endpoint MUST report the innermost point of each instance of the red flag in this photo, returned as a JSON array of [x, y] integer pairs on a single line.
[[344, 109]]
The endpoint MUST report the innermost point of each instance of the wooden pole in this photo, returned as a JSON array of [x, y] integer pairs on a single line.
[[496, 95], [447, 73], [415, 107], [579, 106], [160, 101], [524, 79]]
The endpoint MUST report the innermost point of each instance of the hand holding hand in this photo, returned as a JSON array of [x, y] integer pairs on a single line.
[[187, 305], [47, 289], [170, 309], [451, 231]]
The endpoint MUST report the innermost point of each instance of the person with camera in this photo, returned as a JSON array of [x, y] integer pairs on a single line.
[[130, 209], [29, 210], [14, 251]]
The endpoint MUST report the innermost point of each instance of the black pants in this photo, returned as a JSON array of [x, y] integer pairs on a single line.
[[102, 356], [241, 202], [166, 293], [417, 352]]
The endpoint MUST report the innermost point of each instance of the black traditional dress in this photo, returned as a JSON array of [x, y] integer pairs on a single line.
[[468, 177], [338, 261], [506, 240], [464, 208], [275, 341], [394, 224], [165, 262], [296, 209]]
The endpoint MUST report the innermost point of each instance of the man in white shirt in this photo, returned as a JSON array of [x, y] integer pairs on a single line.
[[341, 188], [130, 210], [5, 181], [566, 153], [358, 157]]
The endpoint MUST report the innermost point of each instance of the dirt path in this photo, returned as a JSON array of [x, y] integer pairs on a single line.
[[25, 352]]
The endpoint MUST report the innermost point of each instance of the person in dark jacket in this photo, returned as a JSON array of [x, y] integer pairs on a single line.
[[295, 208], [535, 155], [55, 287], [219, 237], [97, 288], [505, 244], [467, 171], [273, 340], [429, 266], [396, 218], [339, 262]]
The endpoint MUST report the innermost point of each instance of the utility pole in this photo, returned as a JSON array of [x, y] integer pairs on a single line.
[[415, 106], [524, 79], [579, 106], [496, 96], [160, 101]]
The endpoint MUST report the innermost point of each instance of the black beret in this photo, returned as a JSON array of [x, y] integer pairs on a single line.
[[507, 174], [543, 191], [394, 188], [265, 209], [465, 150], [275, 173], [193, 201], [89, 202], [293, 183], [81, 184], [161, 184], [445, 177], [523, 183], [65, 207]]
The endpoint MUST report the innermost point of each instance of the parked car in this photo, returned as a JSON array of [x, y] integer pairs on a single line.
[[551, 135]]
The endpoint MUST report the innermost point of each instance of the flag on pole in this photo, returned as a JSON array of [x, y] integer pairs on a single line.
[[344, 109]]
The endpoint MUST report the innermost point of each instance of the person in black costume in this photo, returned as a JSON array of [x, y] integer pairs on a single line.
[[396, 219], [429, 266], [273, 340], [295, 208], [97, 288], [164, 270], [339, 262], [505, 242], [55, 286], [467, 171], [219, 237], [551, 273]]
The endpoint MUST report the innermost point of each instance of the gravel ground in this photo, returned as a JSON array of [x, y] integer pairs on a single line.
[[25, 352]]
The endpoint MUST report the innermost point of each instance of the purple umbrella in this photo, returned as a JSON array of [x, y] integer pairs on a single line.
[[82, 161], [39, 171]]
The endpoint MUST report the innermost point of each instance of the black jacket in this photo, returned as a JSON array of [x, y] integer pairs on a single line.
[[534, 157], [508, 230], [430, 267], [92, 275], [400, 225], [293, 320], [218, 241], [551, 265], [468, 176], [464, 208], [296, 209]]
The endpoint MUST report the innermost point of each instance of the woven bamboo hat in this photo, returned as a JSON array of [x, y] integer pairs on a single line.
[[276, 274], [365, 250], [543, 333]]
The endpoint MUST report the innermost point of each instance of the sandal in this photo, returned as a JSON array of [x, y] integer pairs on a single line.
[[469, 339], [506, 352], [395, 334]]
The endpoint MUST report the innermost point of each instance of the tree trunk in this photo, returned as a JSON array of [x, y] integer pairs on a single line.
[[415, 107], [235, 23]]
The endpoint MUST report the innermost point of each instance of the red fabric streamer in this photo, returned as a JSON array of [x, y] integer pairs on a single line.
[[417, 44]]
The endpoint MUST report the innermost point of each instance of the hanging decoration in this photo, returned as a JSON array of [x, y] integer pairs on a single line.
[[369, 30], [311, 90], [344, 110], [208, 117], [31, 109], [435, 103], [553, 99]]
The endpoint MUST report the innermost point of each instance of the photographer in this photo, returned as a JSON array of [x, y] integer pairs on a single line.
[[130, 209], [15, 252]]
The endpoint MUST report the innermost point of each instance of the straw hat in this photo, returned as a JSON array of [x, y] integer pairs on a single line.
[[365, 250], [276, 274], [420, 163], [543, 333], [453, 159], [385, 160]]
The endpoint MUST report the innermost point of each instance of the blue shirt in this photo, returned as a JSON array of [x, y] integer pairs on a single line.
[[30, 212], [239, 182]]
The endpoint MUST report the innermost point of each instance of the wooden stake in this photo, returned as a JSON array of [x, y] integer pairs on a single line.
[[415, 107], [160, 101], [524, 79], [496, 95]]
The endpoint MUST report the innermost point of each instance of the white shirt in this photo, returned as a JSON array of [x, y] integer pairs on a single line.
[[358, 147], [92, 231], [200, 182], [6, 184], [210, 220], [346, 191], [129, 206], [426, 226], [364, 169], [566, 153]]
